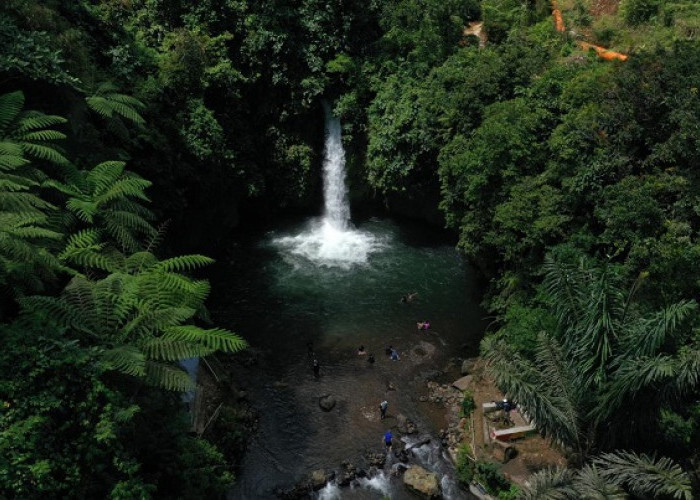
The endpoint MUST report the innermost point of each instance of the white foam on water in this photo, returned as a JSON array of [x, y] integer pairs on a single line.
[[330, 492], [380, 483]]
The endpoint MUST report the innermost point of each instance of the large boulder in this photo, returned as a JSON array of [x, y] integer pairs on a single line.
[[423, 482], [326, 402]]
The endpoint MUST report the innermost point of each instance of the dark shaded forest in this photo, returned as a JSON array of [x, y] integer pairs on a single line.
[[135, 134]]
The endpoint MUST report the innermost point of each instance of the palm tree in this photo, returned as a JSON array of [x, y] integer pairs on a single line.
[[613, 476], [581, 388]]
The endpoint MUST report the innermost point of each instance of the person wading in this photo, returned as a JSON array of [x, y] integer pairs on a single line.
[[382, 409]]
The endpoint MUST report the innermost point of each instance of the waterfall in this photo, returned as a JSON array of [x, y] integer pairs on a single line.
[[335, 192], [331, 241]]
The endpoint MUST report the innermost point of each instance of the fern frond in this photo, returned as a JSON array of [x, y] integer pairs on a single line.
[[10, 107], [44, 153], [126, 359], [104, 174], [122, 188], [85, 210], [31, 121], [184, 263], [12, 162], [140, 261], [216, 338], [168, 377], [174, 350], [24, 202], [44, 135], [55, 308]]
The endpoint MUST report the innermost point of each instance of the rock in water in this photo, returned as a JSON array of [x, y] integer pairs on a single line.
[[326, 402], [423, 482], [319, 478]]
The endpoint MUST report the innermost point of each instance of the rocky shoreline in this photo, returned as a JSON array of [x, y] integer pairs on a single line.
[[416, 478]]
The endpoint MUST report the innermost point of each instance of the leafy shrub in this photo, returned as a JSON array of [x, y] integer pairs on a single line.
[[636, 12], [465, 465], [490, 476], [468, 404]]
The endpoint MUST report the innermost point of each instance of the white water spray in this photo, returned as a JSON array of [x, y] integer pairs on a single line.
[[332, 241]]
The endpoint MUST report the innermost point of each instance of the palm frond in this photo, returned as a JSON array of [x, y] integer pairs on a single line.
[[648, 334], [645, 476], [552, 484], [590, 483]]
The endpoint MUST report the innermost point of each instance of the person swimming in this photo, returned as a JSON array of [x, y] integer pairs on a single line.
[[423, 325], [361, 350]]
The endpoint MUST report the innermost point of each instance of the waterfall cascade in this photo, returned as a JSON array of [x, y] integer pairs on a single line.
[[332, 241]]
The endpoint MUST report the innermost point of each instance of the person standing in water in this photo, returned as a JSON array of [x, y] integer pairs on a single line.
[[387, 440], [317, 368], [382, 409]]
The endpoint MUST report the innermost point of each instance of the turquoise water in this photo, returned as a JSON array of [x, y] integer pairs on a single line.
[[282, 299]]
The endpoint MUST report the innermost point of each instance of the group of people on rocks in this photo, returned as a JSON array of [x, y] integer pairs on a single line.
[[390, 351]]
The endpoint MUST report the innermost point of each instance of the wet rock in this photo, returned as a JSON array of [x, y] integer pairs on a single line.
[[375, 460], [423, 482], [402, 456], [279, 384], [401, 467], [319, 478], [420, 443], [468, 366], [405, 425], [296, 492], [242, 395], [423, 399], [326, 402], [347, 474]]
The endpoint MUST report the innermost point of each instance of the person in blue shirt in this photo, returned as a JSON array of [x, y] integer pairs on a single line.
[[387, 439]]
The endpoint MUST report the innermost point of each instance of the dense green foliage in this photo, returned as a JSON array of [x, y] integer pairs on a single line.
[[570, 181]]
